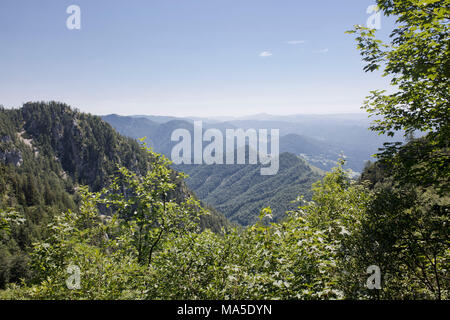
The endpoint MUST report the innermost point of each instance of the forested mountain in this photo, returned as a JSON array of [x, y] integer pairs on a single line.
[[48, 150], [320, 139], [350, 136], [237, 191], [240, 191], [157, 134]]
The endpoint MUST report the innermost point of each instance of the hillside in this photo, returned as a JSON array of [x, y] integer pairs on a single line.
[[240, 191], [47, 150], [320, 139], [349, 136], [318, 153]]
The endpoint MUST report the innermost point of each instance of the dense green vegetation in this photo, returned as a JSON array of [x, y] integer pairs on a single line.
[[418, 62], [321, 251], [296, 258], [408, 229], [137, 235], [47, 151], [410, 212], [240, 191]]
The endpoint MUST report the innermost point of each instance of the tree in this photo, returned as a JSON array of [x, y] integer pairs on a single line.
[[8, 218], [339, 210], [417, 60], [406, 223], [410, 241], [113, 251], [146, 205]]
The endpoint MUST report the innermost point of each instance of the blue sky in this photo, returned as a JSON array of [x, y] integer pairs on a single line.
[[187, 57]]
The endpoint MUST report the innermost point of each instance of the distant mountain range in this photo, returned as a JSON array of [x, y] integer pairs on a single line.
[[87, 151], [320, 139], [239, 191]]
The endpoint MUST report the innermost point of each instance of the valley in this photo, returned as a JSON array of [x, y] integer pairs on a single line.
[[309, 146]]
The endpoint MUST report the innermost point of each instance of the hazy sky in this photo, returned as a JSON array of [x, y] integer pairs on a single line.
[[186, 57]]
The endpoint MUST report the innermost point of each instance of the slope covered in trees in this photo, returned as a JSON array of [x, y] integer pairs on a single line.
[[240, 191], [48, 150]]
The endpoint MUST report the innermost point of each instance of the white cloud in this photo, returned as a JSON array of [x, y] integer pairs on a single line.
[[295, 41], [325, 50], [265, 54]]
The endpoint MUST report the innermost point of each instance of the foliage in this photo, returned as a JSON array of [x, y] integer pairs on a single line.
[[339, 209], [408, 227], [46, 151], [8, 218], [292, 259], [408, 219], [93, 244], [113, 252], [240, 191], [417, 59], [147, 208], [319, 251]]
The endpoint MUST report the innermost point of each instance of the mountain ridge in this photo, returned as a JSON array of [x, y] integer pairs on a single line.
[[48, 150]]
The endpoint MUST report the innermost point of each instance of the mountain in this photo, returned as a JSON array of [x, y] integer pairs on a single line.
[[348, 136], [157, 134], [320, 139], [157, 119], [135, 126], [318, 153], [237, 191], [47, 150], [341, 118], [240, 191]]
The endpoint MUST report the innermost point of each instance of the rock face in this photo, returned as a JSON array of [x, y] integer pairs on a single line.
[[11, 157], [9, 154], [6, 139], [87, 148]]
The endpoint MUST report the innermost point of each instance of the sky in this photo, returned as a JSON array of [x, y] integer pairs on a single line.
[[187, 57]]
